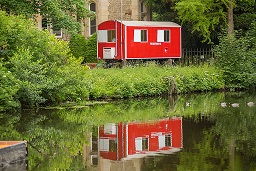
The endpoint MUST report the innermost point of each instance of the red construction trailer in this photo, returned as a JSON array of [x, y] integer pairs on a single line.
[[143, 40]]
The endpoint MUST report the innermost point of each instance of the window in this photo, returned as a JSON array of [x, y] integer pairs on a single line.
[[141, 144], [57, 32], [53, 28], [92, 21], [108, 145], [163, 36], [165, 140], [140, 35], [106, 35], [109, 128], [142, 7], [111, 35], [44, 23], [112, 145], [168, 140]]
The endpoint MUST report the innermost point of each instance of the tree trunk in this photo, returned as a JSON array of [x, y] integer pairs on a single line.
[[230, 18]]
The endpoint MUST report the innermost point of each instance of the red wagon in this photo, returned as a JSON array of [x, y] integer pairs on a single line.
[[138, 40]]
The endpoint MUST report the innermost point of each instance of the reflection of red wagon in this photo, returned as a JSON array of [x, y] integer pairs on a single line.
[[135, 140], [143, 40]]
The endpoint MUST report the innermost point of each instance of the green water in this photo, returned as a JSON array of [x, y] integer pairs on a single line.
[[212, 137]]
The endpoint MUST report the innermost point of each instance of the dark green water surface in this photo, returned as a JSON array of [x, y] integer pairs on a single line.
[[184, 133]]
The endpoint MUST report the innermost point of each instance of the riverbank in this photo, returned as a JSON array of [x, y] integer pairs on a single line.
[[152, 80]]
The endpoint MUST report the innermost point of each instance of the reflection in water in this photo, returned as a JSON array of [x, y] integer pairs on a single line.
[[200, 136], [128, 143]]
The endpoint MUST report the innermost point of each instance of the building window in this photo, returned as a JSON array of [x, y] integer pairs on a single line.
[[44, 23], [142, 7], [140, 35], [106, 35], [92, 21], [163, 35], [57, 31]]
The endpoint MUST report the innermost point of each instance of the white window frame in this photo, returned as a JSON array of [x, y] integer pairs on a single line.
[[138, 33], [162, 140], [161, 36]]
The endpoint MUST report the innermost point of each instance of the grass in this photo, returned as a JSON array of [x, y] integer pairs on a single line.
[[151, 80]]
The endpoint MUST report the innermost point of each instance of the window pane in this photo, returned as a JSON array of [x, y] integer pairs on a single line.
[[112, 145], [160, 35], [137, 36], [168, 140], [92, 21], [167, 35], [144, 36], [92, 26], [102, 35], [93, 7], [144, 144], [111, 35], [44, 23]]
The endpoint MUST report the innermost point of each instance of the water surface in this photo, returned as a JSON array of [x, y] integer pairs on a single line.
[[185, 132]]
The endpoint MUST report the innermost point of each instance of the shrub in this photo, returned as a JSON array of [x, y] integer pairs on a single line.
[[40, 63], [236, 58], [77, 46], [85, 48], [91, 49], [9, 85]]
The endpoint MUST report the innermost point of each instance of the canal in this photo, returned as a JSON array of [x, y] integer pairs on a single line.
[[210, 131]]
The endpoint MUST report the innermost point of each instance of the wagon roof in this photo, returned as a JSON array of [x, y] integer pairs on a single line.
[[150, 23]]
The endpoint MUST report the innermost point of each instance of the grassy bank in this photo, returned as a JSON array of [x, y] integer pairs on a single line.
[[151, 80]]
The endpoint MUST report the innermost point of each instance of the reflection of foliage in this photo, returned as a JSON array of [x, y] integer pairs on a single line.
[[207, 155], [204, 104], [56, 138], [7, 127], [238, 124]]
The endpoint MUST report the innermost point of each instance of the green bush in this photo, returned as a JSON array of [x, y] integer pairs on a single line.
[[85, 48], [91, 49], [77, 46], [40, 63], [236, 58], [9, 86]]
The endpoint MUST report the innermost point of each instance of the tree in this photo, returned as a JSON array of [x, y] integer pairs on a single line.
[[206, 17], [203, 15], [64, 14]]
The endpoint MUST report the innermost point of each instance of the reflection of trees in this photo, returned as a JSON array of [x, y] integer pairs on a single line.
[[236, 127], [57, 138], [206, 155]]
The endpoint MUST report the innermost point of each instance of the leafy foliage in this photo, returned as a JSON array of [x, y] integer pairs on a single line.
[[155, 80], [91, 49], [9, 86], [60, 13], [202, 15], [238, 64], [42, 65], [84, 48], [77, 45]]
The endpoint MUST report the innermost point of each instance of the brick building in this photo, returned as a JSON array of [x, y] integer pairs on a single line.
[[135, 10]]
